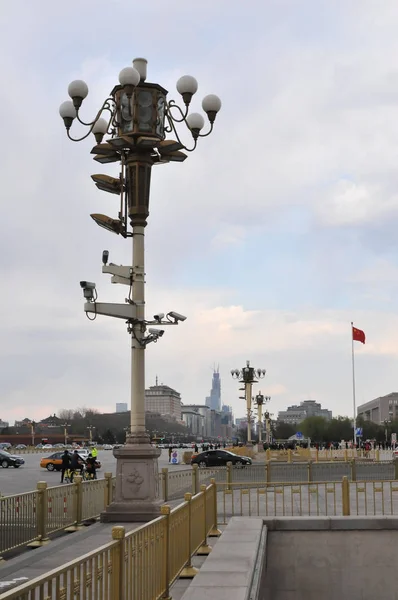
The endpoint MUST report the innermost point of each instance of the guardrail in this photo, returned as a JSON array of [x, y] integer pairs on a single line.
[[330, 454], [28, 519], [139, 565], [175, 483], [361, 498]]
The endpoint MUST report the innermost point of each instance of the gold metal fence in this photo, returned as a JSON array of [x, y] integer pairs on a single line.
[[18, 520], [29, 519], [141, 565], [342, 498]]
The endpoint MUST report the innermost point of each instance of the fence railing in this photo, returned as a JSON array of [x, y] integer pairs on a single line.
[[29, 518], [175, 483], [140, 565], [343, 498]]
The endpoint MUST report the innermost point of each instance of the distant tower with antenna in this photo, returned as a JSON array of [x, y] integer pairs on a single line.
[[214, 400]]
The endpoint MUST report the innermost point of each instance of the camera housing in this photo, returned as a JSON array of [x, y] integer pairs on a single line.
[[105, 256], [176, 316], [88, 288], [158, 317], [156, 332]]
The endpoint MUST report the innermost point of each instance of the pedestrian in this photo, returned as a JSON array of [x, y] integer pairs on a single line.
[[196, 449], [65, 464], [91, 466], [94, 453], [170, 451]]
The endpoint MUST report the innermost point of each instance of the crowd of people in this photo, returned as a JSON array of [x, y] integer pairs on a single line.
[[73, 464]]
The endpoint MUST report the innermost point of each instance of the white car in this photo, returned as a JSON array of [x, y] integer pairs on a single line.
[[107, 447]]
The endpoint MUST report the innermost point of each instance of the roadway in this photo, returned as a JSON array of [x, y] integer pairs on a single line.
[[16, 481]]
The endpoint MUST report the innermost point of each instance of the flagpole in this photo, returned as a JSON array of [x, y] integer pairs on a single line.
[[353, 384]]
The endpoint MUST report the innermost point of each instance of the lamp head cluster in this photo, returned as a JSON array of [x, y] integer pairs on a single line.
[[248, 374], [136, 118]]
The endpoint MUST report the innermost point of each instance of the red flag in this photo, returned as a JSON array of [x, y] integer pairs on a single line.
[[358, 335]]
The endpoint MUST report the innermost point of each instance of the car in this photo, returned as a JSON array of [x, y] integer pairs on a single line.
[[219, 458], [20, 447], [53, 462], [10, 460], [107, 447], [5, 445]]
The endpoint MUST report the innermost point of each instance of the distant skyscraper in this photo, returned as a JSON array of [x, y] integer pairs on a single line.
[[214, 400]]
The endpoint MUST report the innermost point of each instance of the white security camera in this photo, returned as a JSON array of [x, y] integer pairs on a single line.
[[156, 332], [88, 288], [105, 256], [158, 317], [176, 316]]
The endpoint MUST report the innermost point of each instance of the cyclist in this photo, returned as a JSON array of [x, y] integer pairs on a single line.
[[91, 465], [76, 464], [66, 460]]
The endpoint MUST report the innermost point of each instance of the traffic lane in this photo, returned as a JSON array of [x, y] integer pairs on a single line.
[[17, 481]]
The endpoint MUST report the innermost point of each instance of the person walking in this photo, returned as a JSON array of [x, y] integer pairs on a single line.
[[170, 451], [65, 464], [76, 464]]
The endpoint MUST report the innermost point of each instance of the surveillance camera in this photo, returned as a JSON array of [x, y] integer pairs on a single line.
[[158, 317], [87, 284], [105, 256], [156, 332], [88, 289], [176, 316]]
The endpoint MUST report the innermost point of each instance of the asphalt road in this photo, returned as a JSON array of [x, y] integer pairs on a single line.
[[16, 481]]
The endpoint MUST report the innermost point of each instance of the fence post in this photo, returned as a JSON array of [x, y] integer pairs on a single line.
[[316, 455], [214, 532], [377, 455], [108, 489], [346, 455], [229, 475], [118, 534], [346, 497], [309, 469], [353, 470], [77, 481], [268, 454], [269, 472], [165, 483], [396, 468], [41, 515], [165, 511], [289, 456], [195, 479], [189, 571], [204, 548]]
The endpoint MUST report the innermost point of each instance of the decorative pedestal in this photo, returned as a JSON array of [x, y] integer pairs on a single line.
[[137, 485]]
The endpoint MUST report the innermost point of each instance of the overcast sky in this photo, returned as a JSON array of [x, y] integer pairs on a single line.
[[272, 237]]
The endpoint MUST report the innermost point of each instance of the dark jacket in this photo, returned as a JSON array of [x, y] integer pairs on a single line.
[[76, 461], [66, 460]]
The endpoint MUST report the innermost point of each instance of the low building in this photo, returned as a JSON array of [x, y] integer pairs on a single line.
[[121, 407], [379, 410], [164, 400], [309, 408], [4, 424], [193, 420]]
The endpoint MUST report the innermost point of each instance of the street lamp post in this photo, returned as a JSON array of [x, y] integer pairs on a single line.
[[138, 118], [260, 400], [32, 431], [248, 375], [90, 429], [387, 422], [65, 426]]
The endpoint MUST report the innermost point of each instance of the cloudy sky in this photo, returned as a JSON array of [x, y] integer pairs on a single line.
[[272, 237]]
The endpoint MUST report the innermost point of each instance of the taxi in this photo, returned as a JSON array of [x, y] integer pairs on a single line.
[[53, 462]]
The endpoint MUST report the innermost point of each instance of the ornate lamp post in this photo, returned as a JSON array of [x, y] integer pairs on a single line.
[[138, 117], [65, 426], [248, 375], [260, 400]]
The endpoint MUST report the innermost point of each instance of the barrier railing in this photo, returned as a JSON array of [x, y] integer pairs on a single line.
[[141, 565], [344, 498], [29, 518]]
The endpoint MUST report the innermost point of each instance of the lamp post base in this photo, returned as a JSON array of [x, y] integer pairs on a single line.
[[137, 484]]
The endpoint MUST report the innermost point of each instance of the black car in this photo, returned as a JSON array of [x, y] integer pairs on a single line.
[[10, 460], [219, 458]]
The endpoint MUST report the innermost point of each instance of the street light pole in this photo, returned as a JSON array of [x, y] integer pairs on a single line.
[[248, 375], [138, 118]]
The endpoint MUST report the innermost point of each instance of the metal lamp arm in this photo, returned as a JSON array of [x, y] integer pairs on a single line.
[[173, 129], [172, 105], [109, 104]]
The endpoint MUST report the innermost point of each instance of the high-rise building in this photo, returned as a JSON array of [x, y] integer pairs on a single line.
[[121, 407], [214, 400]]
